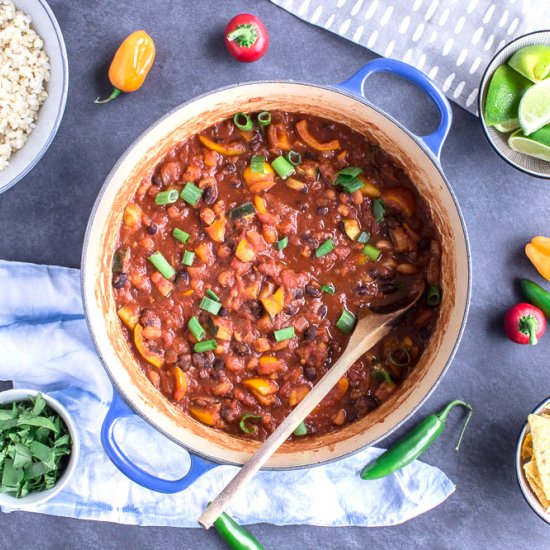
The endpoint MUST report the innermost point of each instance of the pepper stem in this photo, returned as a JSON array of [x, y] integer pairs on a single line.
[[528, 325], [245, 35], [442, 415], [114, 94]]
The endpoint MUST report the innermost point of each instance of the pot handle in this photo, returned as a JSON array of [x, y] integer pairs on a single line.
[[434, 142], [119, 409]]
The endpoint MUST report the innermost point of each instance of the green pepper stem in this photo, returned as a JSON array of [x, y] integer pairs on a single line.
[[114, 94], [528, 325], [442, 415], [244, 35], [470, 413]]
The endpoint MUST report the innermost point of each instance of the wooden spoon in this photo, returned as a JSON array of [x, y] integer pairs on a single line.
[[369, 331]]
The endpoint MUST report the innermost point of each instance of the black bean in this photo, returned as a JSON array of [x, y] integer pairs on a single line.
[[234, 182], [322, 311], [149, 318], [298, 293], [387, 274], [156, 180], [198, 360], [302, 206], [152, 229], [182, 276], [291, 310], [228, 414], [309, 240], [184, 362], [219, 364], [322, 210], [241, 348], [119, 280], [313, 291], [424, 243], [362, 290], [209, 194], [388, 288], [310, 373], [255, 307], [228, 167], [373, 272], [223, 312], [311, 333], [424, 333]]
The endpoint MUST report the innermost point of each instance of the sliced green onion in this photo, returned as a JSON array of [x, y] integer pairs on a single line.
[[284, 334], [347, 179], [282, 243], [191, 193], [378, 210], [188, 258], [300, 429], [244, 427], [264, 118], [283, 167], [346, 322], [257, 164], [180, 235], [371, 252], [245, 209], [363, 238], [166, 197], [433, 296], [294, 158], [243, 122], [162, 264], [195, 328], [325, 248], [207, 345], [329, 289], [213, 295], [397, 363], [382, 374], [212, 306]]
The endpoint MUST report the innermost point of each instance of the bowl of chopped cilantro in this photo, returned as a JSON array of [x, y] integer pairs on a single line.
[[39, 448]]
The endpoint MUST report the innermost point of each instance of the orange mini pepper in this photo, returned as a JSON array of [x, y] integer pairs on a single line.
[[131, 64], [538, 251]]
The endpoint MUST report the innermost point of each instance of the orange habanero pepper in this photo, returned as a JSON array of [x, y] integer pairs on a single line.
[[538, 251], [131, 64]]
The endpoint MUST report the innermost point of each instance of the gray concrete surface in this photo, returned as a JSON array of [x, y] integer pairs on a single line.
[[43, 220]]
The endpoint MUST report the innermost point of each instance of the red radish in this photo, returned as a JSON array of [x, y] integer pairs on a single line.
[[246, 38], [524, 324]]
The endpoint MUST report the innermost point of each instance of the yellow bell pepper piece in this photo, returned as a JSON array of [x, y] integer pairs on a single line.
[[263, 389], [274, 304], [216, 231], [230, 150], [369, 189], [303, 131], [261, 204], [132, 215], [257, 181], [153, 358], [180, 380], [245, 251], [129, 316], [538, 251], [204, 415], [297, 394]]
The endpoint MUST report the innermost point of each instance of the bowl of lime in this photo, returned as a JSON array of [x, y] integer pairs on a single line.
[[514, 103]]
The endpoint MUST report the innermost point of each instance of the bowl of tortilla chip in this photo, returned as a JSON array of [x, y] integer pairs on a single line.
[[533, 460]]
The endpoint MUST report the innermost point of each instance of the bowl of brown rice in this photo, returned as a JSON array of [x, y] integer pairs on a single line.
[[34, 79]]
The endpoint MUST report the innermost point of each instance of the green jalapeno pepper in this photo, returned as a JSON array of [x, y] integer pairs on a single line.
[[236, 537], [410, 447], [536, 295]]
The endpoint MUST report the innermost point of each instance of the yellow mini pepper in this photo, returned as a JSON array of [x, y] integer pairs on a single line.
[[131, 64], [538, 251]]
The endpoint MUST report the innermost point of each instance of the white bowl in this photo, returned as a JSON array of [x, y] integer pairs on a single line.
[[528, 494], [51, 112], [33, 499], [499, 141]]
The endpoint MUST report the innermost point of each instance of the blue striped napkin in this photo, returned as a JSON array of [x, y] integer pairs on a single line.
[[45, 345]]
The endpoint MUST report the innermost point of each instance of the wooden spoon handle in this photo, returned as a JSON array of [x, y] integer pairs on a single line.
[[353, 351]]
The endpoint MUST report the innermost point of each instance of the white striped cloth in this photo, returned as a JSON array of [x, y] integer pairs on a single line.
[[450, 40]]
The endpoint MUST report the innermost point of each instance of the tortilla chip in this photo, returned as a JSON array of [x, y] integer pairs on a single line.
[[532, 475], [527, 448], [540, 430]]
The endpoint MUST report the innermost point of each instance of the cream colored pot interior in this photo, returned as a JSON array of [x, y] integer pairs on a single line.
[[140, 161]]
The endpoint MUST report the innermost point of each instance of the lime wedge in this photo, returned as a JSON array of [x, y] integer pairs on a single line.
[[536, 145], [503, 96], [533, 62], [509, 126], [534, 107]]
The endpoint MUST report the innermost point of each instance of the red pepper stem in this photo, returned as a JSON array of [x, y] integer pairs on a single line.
[[528, 325], [244, 35], [114, 94]]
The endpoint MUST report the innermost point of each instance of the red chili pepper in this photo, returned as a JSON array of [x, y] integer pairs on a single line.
[[246, 38], [524, 324]]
